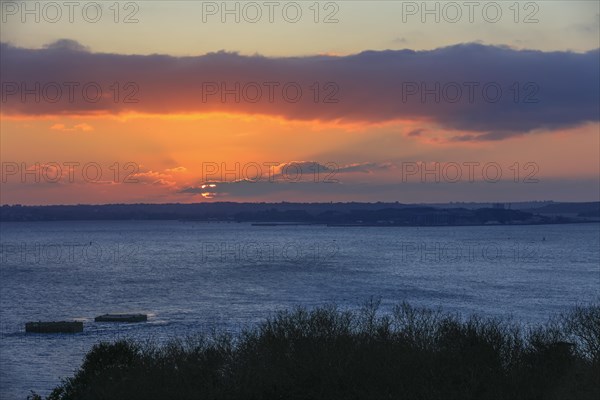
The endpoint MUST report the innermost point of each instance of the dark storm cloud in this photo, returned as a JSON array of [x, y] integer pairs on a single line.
[[445, 86]]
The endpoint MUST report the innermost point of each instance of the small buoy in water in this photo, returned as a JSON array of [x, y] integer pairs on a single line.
[[544, 239]]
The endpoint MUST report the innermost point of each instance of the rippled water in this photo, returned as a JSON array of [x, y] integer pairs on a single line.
[[191, 277]]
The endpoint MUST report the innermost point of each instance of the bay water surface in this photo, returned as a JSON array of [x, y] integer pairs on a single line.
[[191, 277]]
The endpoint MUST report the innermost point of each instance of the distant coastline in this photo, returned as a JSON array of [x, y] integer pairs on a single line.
[[330, 214]]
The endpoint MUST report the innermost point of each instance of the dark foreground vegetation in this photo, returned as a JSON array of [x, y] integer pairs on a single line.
[[333, 354]]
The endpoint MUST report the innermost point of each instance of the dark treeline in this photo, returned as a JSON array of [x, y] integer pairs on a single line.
[[333, 354], [386, 214]]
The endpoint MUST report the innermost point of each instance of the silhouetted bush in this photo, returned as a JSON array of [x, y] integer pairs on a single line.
[[333, 354]]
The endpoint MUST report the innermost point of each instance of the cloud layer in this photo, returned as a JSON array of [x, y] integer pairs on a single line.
[[485, 92]]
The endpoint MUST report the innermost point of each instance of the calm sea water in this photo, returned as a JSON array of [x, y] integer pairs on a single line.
[[191, 277]]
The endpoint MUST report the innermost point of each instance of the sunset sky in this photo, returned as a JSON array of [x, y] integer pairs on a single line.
[[156, 101]]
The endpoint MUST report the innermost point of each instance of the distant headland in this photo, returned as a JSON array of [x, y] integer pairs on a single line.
[[333, 214]]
